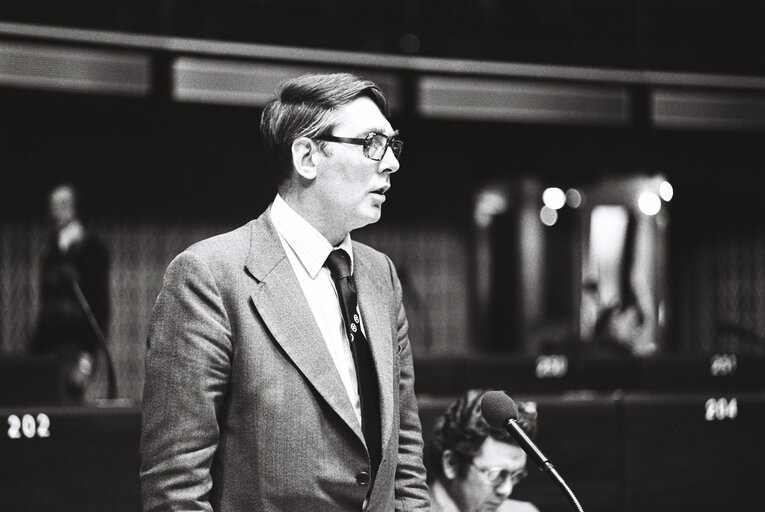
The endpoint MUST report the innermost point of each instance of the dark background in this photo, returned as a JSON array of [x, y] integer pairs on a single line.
[[710, 36]]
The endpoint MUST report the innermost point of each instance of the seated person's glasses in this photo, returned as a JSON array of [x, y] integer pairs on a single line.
[[375, 144], [498, 476]]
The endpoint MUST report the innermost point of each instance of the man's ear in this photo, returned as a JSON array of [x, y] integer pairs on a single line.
[[449, 464], [304, 157]]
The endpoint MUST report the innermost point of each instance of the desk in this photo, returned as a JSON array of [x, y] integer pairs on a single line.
[[69, 459]]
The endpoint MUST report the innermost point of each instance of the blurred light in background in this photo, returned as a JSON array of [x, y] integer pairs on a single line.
[[573, 198], [608, 237], [548, 216], [554, 198], [489, 204], [649, 203], [666, 191], [409, 43]]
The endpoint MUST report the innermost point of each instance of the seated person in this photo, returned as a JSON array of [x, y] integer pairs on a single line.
[[473, 467]]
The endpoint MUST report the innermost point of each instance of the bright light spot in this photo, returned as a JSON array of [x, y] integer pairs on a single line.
[[548, 216], [666, 191], [649, 203], [490, 203], [554, 198], [573, 198], [608, 232]]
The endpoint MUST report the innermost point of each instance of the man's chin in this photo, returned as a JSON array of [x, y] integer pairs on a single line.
[[490, 507], [372, 214]]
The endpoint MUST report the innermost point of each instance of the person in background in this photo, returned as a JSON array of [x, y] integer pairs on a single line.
[[279, 372], [74, 293], [473, 467]]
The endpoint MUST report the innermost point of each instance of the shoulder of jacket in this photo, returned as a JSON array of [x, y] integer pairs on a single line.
[[368, 253], [223, 245]]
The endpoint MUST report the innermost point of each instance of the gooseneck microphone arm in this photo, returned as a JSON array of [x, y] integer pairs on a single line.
[[111, 390], [541, 461], [500, 411]]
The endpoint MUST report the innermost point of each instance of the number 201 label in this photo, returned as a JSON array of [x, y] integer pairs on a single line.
[[28, 426]]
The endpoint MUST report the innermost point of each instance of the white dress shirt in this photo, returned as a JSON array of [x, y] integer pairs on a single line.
[[69, 234], [441, 501], [307, 250]]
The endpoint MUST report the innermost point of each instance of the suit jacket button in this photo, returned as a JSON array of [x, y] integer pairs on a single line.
[[362, 478]]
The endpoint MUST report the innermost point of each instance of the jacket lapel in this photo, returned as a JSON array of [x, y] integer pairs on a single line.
[[285, 311], [374, 303]]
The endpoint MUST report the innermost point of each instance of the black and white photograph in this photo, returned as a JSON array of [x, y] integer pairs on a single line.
[[408, 255]]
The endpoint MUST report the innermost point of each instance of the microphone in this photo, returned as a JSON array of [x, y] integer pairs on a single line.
[[500, 411], [111, 389]]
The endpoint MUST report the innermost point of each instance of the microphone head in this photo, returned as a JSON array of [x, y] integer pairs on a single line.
[[498, 408]]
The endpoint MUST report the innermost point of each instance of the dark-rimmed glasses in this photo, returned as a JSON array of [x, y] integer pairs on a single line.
[[498, 476], [375, 144]]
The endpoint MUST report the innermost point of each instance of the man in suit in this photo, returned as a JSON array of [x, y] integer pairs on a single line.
[[74, 294], [474, 467], [260, 395]]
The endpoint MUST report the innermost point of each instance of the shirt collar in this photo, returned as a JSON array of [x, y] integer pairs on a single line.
[[309, 245], [441, 497], [69, 235]]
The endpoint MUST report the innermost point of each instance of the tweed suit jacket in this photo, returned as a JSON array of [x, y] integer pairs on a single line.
[[243, 407]]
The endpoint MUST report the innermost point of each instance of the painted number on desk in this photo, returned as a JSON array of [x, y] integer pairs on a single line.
[[721, 409], [554, 367], [28, 426], [723, 364]]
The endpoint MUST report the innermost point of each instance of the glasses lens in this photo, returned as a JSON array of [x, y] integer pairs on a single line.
[[397, 146], [496, 476], [499, 476], [375, 146], [518, 476]]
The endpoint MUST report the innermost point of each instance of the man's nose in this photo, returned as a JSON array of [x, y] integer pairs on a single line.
[[504, 489], [389, 163]]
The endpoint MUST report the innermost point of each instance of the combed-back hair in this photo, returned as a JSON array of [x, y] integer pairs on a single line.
[[303, 107], [462, 429]]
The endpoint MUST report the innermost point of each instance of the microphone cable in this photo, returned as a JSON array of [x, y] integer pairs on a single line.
[[111, 389]]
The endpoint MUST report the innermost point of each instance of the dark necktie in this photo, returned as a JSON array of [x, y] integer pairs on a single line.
[[339, 264]]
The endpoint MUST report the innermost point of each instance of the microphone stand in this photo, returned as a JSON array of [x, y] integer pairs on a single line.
[[562, 484], [111, 390], [545, 465]]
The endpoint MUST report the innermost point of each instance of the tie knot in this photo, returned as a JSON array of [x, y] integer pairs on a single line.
[[339, 264]]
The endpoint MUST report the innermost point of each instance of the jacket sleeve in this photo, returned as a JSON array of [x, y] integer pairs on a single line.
[[188, 364], [411, 490]]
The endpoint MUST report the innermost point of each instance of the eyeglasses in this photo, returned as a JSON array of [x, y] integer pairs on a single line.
[[375, 144], [498, 476]]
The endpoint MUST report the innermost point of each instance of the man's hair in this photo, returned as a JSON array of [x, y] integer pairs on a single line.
[[462, 429], [303, 107]]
